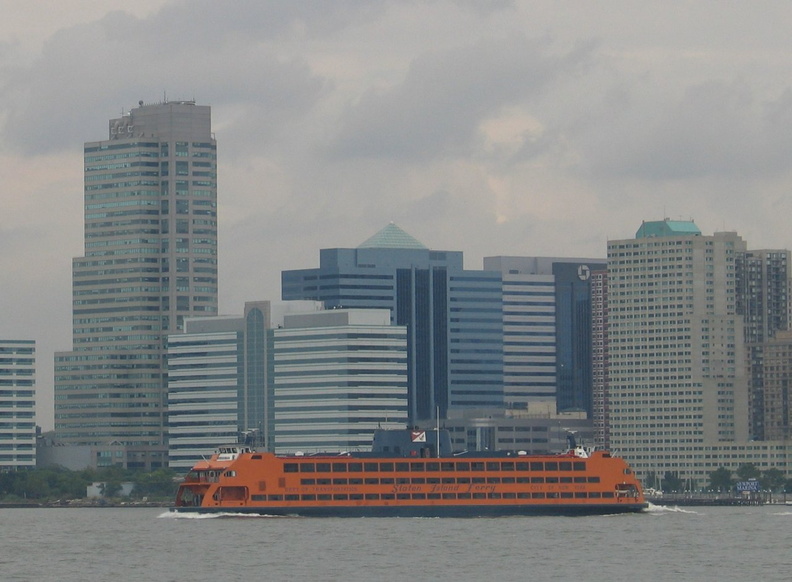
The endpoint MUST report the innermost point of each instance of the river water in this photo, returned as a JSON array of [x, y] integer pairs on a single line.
[[98, 544]]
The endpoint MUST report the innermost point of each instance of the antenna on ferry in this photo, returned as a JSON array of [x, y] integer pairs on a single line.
[[437, 429]]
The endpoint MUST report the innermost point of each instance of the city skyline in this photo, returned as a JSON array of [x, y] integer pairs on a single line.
[[525, 128]]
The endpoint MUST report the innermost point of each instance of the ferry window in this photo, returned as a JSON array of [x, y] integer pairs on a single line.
[[493, 480], [523, 480], [595, 494], [551, 480], [508, 480], [275, 497], [356, 481], [509, 495], [580, 479], [309, 497], [537, 466], [566, 494], [307, 468], [448, 480], [493, 466], [387, 496], [493, 495], [417, 480], [417, 467], [479, 496], [339, 467], [627, 471], [479, 480], [386, 481], [339, 481], [433, 496], [371, 481], [523, 495], [355, 496], [463, 466], [446, 466], [579, 465], [323, 481], [290, 467], [370, 467], [402, 496], [372, 496], [386, 467], [552, 495], [565, 466], [463, 496], [307, 481], [432, 466], [507, 467], [607, 494], [419, 495], [539, 495], [292, 497], [580, 495], [476, 466], [340, 497], [402, 466], [323, 497], [262, 485], [566, 479], [594, 479], [322, 467], [256, 457], [449, 496], [463, 480], [551, 466], [433, 480], [355, 467], [402, 480], [522, 466], [537, 479], [258, 497]]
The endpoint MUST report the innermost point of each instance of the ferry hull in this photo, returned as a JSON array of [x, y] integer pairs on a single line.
[[569, 510]]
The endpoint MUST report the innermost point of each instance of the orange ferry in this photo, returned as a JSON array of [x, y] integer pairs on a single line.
[[407, 475]]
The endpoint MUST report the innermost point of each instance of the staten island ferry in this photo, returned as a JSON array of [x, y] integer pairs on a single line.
[[411, 474]]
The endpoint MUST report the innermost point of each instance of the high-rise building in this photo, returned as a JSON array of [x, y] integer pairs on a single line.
[[777, 385], [17, 404], [338, 375], [219, 384], [150, 261], [547, 330], [600, 396], [763, 288], [675, 343], [453, 316]]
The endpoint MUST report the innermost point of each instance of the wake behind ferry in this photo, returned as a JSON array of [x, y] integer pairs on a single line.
[[411, 474]]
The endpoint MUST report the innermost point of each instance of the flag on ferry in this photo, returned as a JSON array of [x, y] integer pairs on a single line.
[[418, 436]]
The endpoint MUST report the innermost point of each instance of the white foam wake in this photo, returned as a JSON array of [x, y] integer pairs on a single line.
[[668, 509]]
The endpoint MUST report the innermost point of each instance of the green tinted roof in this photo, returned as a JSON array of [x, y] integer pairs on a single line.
[[667, 228], [391, 237]]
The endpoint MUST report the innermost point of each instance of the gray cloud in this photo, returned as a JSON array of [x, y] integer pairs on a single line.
[[445, 95]]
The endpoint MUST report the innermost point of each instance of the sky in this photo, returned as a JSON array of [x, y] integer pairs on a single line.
[[493, 128]]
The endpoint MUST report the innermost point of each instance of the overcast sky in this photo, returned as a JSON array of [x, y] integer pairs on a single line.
[[494, 128]]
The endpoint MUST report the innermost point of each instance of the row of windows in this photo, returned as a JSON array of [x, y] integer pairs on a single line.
[[422, 496], [448, 480], [445, 466]]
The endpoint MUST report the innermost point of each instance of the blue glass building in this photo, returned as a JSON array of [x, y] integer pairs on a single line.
[[454, 317]]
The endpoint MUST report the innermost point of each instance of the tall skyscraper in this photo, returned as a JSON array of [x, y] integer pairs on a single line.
[[547, 352], [150, 261], [17, 404], [677, 381], [763, 288], [453, 316]]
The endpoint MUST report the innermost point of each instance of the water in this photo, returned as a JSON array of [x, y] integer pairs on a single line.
[[87, 544]]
